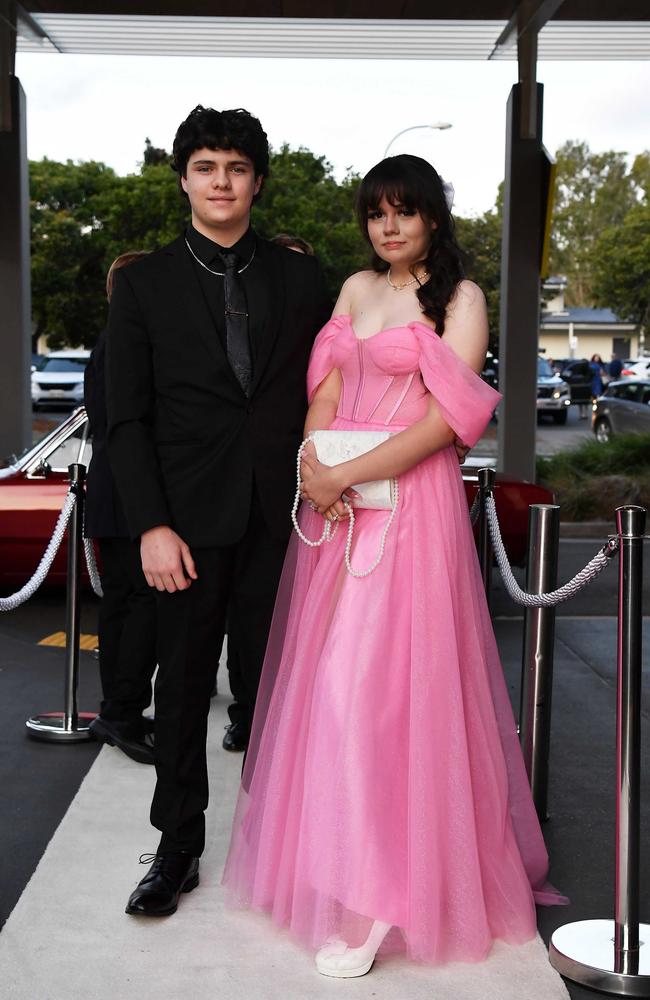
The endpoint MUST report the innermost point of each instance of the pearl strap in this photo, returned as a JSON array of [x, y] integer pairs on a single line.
[[329, 531]]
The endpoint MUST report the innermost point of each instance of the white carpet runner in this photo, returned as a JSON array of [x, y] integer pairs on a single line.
[[69, 939]]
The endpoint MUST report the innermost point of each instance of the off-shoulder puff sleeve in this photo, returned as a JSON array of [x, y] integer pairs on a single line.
[[464, 399], [320, 361]]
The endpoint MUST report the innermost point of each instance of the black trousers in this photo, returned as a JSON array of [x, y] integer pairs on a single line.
[[239, 579], [127, 632]]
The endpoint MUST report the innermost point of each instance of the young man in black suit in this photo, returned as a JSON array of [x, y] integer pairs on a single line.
[[208, 345]]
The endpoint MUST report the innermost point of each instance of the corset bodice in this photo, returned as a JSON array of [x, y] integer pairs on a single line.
[[389, 377], [381, 376]]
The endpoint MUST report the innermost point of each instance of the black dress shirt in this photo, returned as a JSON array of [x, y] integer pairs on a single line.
[[254, 279]]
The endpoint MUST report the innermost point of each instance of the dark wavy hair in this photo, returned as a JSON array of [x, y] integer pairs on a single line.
[[412, 182], [205, 128]]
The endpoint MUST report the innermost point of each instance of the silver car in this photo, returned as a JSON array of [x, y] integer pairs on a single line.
[[553, 393], [623, 408], [59, 378]]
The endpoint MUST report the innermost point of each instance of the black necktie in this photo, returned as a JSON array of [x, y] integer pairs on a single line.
[[237, 344]]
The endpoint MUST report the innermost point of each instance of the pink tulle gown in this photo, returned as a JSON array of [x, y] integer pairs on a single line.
[[384, 779]]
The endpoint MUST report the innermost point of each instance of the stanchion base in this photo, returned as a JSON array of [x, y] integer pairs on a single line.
[[584, 952], [50, 727]]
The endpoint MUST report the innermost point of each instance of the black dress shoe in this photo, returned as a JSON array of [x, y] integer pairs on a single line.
[[158, 893], [236, 738], [133, 742]]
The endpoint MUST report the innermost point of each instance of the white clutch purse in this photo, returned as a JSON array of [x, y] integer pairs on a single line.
[[332, 448], [335, 447]]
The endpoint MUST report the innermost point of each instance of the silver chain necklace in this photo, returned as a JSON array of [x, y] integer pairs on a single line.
[[219, 274]]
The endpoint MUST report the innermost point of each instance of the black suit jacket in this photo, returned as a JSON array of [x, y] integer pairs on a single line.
[[104, 516], [185, 443]]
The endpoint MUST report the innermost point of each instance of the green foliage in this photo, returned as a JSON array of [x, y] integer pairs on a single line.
[[301, 197], [621, 266], [154, 156], [594, 193], [143, 211], [68, 249], [590, 481], [480, 239]]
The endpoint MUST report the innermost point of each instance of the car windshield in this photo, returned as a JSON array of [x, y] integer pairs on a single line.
[[62, 365], [544, 370]]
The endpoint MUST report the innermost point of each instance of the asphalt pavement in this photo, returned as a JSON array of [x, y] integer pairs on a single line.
[[550, 438]]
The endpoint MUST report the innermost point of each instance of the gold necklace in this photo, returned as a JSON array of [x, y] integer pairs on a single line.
[[406, 284]]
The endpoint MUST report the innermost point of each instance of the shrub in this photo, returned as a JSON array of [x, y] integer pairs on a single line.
[[590, 481]]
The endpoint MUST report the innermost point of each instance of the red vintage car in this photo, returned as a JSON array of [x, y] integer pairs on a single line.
[[33, 488]]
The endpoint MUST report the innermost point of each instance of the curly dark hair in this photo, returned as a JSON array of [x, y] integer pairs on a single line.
[[412, 182], [205, 128]]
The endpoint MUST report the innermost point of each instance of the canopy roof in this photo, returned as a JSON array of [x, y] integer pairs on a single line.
[[373, 29]]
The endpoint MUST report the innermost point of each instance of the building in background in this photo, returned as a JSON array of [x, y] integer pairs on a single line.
[[577, 332]]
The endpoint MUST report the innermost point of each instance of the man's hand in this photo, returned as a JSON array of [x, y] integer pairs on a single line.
[[166, 560]]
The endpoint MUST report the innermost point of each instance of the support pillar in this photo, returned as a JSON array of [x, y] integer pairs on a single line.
[[523, 227], [15, 286]]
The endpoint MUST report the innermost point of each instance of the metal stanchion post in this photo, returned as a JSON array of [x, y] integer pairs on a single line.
[[68, 726], [486, 480], [614, 955], [537, 661]]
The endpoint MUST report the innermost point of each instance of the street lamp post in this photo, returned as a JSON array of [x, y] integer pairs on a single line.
[[435, 125]]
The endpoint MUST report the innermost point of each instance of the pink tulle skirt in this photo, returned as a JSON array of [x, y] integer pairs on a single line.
[[384, 779]]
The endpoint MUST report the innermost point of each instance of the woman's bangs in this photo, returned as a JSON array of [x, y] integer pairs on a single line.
[[393, 189]]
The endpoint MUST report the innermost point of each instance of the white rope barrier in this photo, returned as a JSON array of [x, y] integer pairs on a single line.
[[30, 588], [91, 565], [593, 568], [476, 508], [570, 589]]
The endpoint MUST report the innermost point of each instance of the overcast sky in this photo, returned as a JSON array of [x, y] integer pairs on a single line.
[[102, 107]]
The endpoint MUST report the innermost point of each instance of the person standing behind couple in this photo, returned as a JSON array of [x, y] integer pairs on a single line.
[[207, 352]]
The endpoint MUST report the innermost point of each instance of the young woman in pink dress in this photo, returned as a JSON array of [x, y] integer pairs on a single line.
[[384, 800]]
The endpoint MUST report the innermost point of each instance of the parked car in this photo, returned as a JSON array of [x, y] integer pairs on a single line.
[[59, 378], [513, 497], [553, 395], [636, 369], [577, 374], [490, 373], [623, 408], [33, 487]]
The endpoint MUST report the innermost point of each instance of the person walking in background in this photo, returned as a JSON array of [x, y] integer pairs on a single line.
[[597, 373], [127, 611], [615, 367], [208, 345]]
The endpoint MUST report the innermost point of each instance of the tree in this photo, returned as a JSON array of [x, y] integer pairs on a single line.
[[153, 156], [67, 249], [480, 239], [83, 216], [594, 192], [143, 211], [302, 197], [620, 263]]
